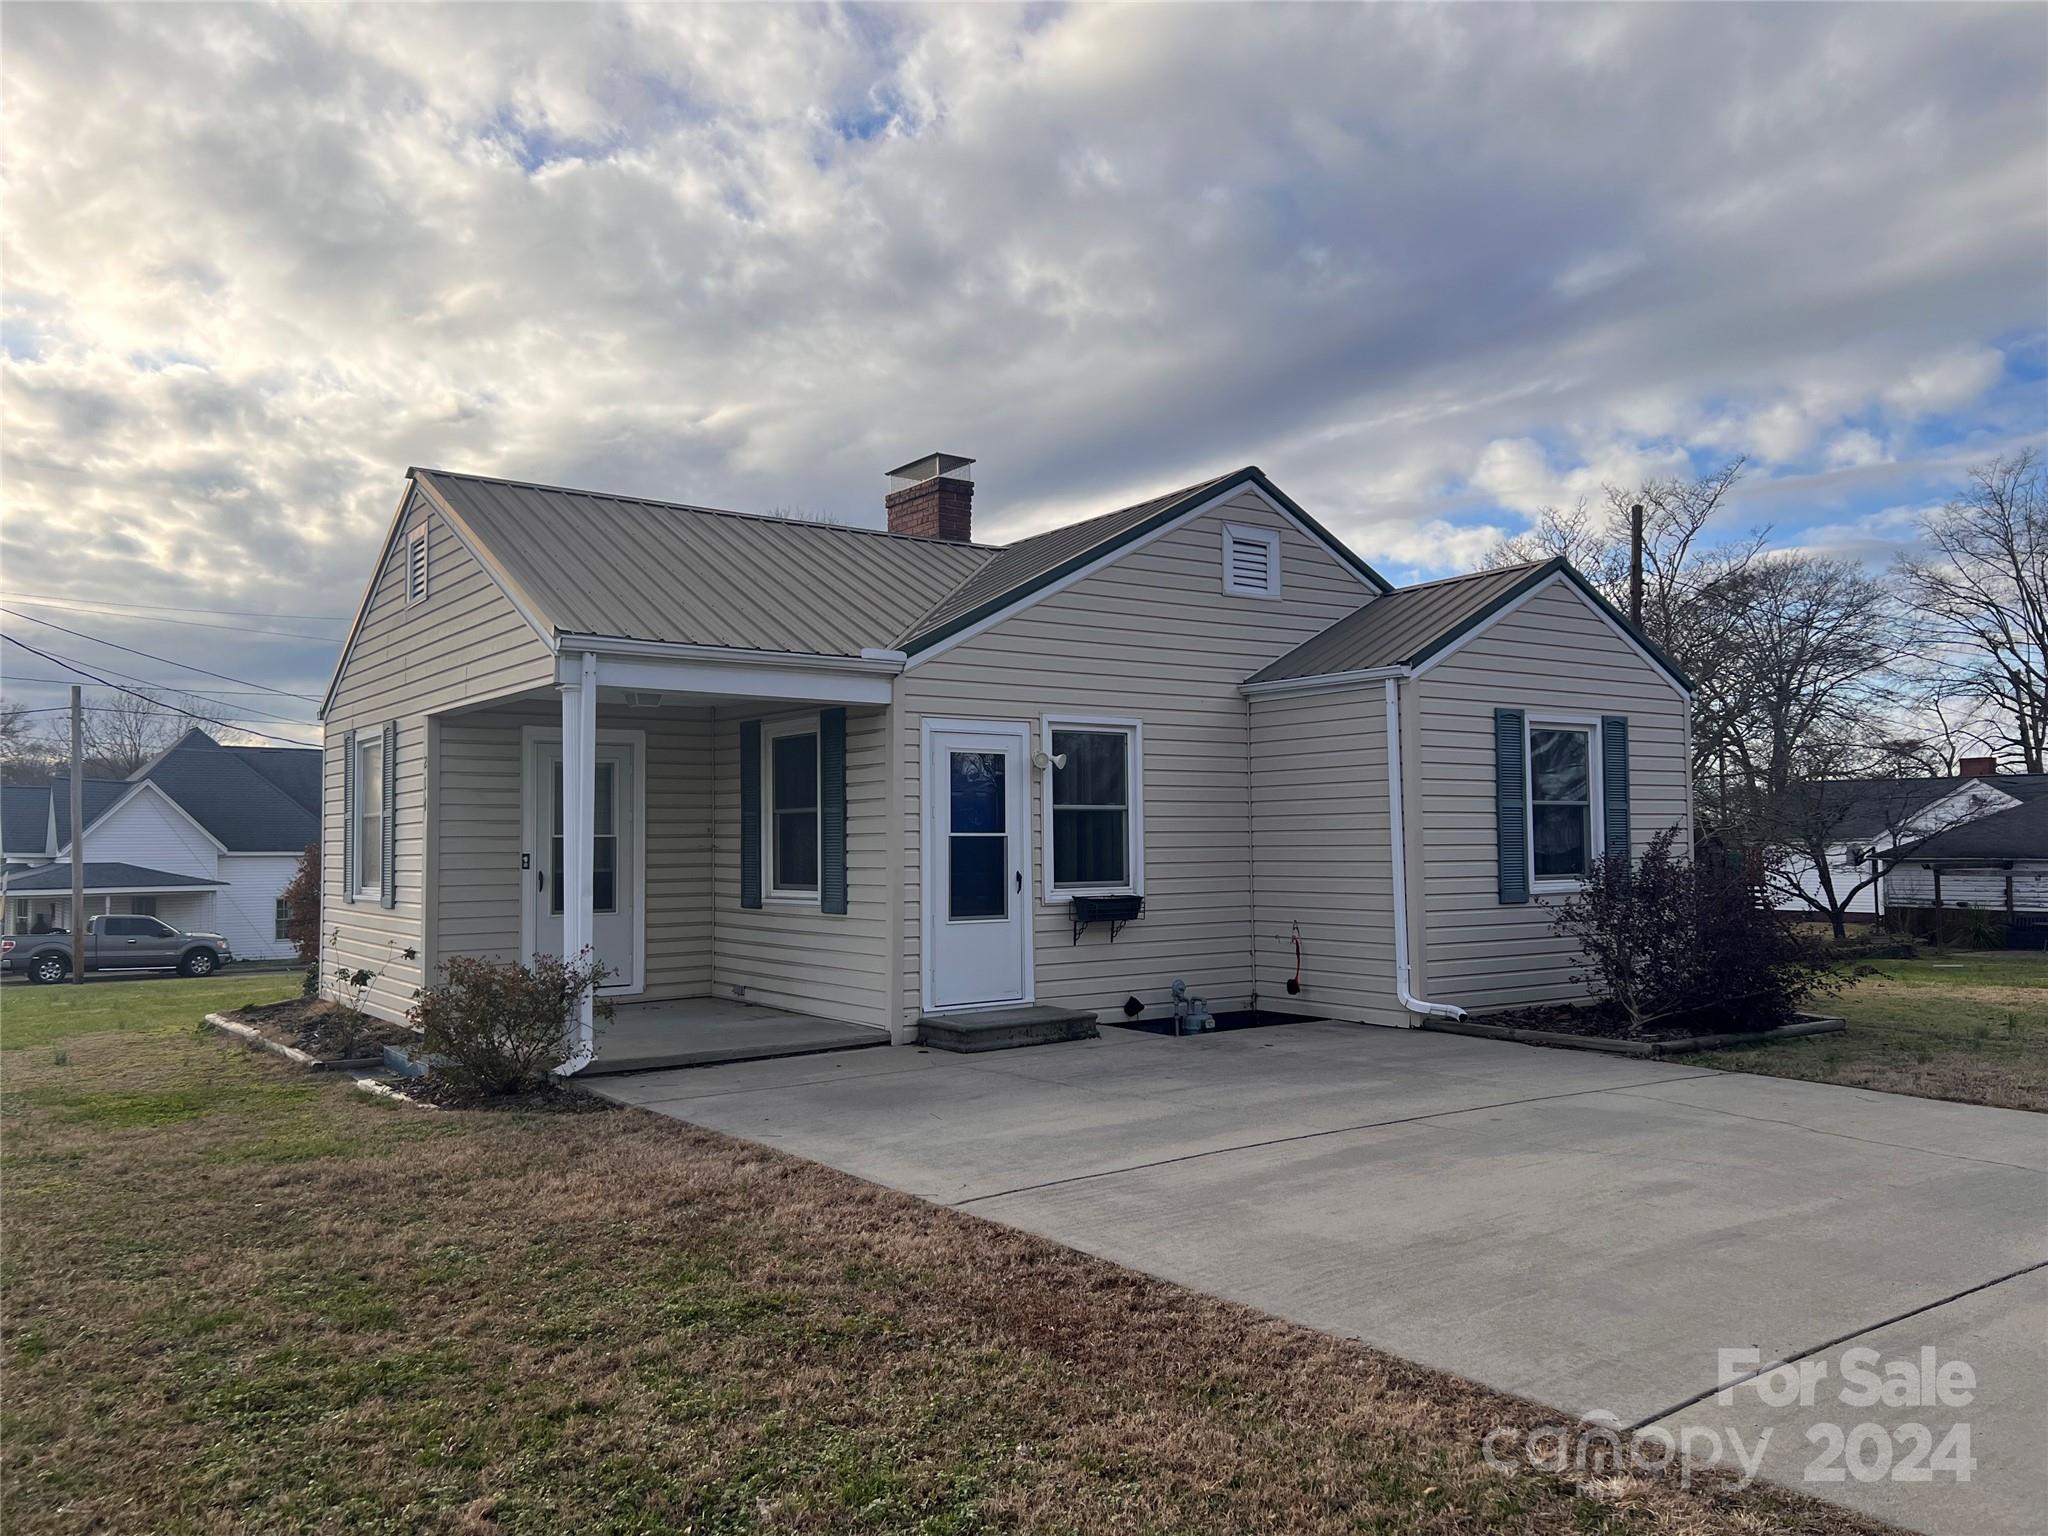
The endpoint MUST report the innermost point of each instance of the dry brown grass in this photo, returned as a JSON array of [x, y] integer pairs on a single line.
[[240, 1300], [1958, 1024]]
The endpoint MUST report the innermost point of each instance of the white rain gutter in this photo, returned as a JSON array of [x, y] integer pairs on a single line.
[[1397, 835]]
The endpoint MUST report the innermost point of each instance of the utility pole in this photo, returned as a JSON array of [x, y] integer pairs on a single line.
[[1635, 565], [77, 833]]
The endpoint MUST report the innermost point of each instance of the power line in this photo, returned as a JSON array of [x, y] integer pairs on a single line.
[[226, 725], [218, 694], [160, 688], [150, 618], [219, 613], [151, 656]]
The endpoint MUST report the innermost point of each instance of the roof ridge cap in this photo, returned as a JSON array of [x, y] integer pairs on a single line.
[[702, 511]]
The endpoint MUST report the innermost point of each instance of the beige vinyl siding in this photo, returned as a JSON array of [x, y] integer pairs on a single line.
[[481, 833], [1553, 652], [1151, 636], [1320, 815], [465, 642], [789, 954]]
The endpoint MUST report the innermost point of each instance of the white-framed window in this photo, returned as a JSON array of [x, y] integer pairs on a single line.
[[280, 918], [1565, 824], [416, 566], [1251, 561], [789, 805], [370, 815], [1093, 807]]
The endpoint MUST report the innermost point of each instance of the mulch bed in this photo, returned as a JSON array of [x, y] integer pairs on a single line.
[[444, 1092], [321, 1028], [1600, 1021]]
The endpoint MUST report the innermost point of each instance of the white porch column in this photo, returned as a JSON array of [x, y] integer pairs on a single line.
[[579, 789]]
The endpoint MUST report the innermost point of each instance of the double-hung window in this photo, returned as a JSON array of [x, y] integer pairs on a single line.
[[1094, 813], [790, 766], [369, 815], [1564, 834]]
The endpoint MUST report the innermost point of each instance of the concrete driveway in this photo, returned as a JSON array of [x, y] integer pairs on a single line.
[[1584, 1230]]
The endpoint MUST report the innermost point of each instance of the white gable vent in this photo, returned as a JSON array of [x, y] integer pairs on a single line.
[[1251, 562], [416, 567]]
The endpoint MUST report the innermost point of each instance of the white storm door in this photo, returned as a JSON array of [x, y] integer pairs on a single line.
[[615, 858], [978, 855]]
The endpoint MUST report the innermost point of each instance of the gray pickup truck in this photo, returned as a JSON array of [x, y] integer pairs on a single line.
[[116, 942]]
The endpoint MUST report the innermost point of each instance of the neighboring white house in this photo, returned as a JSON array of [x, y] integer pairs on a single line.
[[1996, 864], [884, 777], [204, 836], [1868, 819]]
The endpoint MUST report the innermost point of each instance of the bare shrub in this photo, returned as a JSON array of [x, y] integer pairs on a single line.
[[1667, 936]]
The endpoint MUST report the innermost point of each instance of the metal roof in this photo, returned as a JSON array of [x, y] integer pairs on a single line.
[[585, 563], [105, 877], [623, 567], [2020, 833], [1407, 627], [25, 818], [1399, 629]]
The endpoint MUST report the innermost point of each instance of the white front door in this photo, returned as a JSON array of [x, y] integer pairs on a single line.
[[615, 857], [977, 863]]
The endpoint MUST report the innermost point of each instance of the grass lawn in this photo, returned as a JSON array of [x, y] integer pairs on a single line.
[[1959, 1024], [31, 1016], [242, 1298]]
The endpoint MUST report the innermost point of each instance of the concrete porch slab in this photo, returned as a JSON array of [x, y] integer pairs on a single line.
[[706, 1031]]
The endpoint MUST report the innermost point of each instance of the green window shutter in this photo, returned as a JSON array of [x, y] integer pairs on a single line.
[[1614, 780], [1511, 806], [388, 854], [750, 813], [348, 817], [832, 810]]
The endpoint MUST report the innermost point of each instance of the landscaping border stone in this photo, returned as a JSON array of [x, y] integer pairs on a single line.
[[255, 1038], [385, 1091], [1805, 1024]]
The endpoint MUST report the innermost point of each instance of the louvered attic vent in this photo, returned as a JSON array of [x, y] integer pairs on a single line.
[[1251, 562], [416, 568]]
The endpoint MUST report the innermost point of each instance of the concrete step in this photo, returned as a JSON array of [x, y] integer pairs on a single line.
[[1002, 1029]]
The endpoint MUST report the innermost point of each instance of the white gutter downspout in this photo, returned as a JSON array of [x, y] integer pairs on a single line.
[[579, 788], [1397, 835]]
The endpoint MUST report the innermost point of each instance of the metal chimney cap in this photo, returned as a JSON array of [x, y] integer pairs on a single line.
[[931, 466]]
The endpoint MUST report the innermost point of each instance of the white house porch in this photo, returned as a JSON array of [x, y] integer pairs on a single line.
[[621, 814]]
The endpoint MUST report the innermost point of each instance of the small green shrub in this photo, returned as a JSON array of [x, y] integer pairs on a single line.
[[502, 1028]]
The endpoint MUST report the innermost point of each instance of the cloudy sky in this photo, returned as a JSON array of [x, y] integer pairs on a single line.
[[1431, 268]]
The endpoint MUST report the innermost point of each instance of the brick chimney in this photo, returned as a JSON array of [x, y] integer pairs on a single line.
[[1977, 767], [932, 498]]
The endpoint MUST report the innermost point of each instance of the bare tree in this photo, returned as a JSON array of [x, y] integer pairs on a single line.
[[27, 753], [1810, 643], [1693, 587], [1981, 594], [1823, 840]]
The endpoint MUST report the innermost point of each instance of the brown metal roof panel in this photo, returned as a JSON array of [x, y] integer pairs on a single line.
[[618, 566], [1394, 630]]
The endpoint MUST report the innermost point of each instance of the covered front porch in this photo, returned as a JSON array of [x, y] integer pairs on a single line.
[[39, 899], [713, 833], [706, 1031]]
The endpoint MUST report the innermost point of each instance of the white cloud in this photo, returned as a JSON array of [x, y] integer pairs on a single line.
[[1855, 449], [1947, 382], [1465, 262]]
